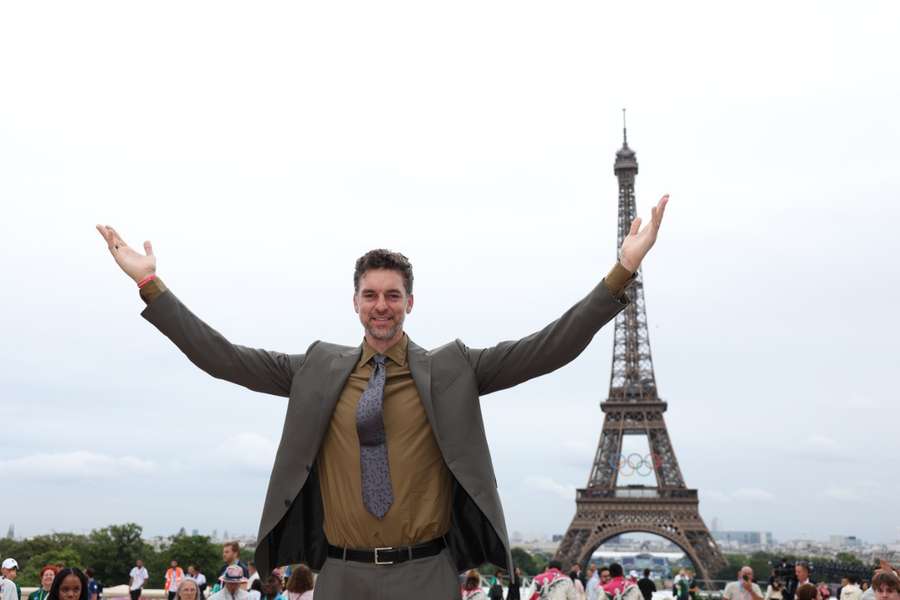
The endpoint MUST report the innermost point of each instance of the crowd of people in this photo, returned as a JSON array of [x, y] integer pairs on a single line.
[[612, 583], [238, 580]]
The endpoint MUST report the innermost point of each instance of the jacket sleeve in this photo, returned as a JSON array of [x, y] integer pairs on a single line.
[[512, 362], [259, 370]]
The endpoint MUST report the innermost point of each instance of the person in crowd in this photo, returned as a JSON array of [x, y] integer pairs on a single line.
[[471, 589], [553, 583], [495, 592], [232, 585], [851, 589], [646, 585], [46, 577], [775, 590], [806, 591], [187, 590], [516, 582], [9, 589], [136, 579], [617, 583], [591, 588], [195, 574], [801, 577], [300, 584], [271, 588], [824, 591], [174, 577], [605, 577], [231, 554], [575, 576], [94, 587], [69, 584], [744, 588], [253, 574], [886, 585]]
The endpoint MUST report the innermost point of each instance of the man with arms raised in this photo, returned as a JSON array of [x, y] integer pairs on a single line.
[[383, 476]]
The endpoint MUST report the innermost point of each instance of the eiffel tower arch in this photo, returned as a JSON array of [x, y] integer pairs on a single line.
[[606, 508]]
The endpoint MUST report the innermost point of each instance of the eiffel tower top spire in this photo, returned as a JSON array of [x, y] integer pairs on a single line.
[[632, 377], [626, 163]]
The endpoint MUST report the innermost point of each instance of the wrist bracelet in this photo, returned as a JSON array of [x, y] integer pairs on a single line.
[[146, 280]]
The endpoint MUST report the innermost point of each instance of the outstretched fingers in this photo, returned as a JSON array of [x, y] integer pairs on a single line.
[[635, 226], [148, 248]]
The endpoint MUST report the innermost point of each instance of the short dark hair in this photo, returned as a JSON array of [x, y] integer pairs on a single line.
[[383, 259], [234, 546], [646, 572], [615, 569], [807, 591], [554, 564], [886, 579]]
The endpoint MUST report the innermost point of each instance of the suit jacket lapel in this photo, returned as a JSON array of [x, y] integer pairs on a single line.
[[341, 367], [420, 368]]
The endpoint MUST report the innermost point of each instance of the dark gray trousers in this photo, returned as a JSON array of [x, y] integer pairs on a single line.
[[434, 578]]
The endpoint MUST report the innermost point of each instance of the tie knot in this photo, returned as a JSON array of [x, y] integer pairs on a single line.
[[379, 359]]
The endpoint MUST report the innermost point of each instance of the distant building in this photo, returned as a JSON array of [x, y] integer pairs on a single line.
[[744, 538], [844, 541]]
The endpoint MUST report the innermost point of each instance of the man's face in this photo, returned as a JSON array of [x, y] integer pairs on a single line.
[[747, 573], [801, 573], [604, 576], [382, 303], [10, 573], [173, 564], [844, 581], [228, 554], [140, 564], [232, 587]]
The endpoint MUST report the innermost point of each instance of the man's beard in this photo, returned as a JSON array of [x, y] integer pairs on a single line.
[[382, 334]]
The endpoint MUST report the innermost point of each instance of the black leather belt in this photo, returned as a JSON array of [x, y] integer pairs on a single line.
[[390, 555]]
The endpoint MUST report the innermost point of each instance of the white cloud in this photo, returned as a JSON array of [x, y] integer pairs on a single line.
[[551, 486], [67, 466], [747, 495], [250, 452]]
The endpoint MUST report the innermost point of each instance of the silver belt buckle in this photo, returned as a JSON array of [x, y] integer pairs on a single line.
[[383, 562]]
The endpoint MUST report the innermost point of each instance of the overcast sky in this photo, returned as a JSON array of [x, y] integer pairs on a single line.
[[263, 148]]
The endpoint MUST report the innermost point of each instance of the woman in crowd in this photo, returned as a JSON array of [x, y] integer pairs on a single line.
[[69, 584], [472, 587], [48, 574], [271, 589], [300, 584], [188, 590]]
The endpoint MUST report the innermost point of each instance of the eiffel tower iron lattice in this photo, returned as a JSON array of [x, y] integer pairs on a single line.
[[605, 509]]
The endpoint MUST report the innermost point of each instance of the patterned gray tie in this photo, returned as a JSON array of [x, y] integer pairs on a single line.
[[376, 477]]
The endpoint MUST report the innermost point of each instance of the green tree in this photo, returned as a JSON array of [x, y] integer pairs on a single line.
[[524, 560], [65, 556], [112, 551]]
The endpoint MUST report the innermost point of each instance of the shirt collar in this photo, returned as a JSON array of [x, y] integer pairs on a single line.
[[396, 353]]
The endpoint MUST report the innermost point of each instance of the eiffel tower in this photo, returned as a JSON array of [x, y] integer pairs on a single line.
[[604, 508]]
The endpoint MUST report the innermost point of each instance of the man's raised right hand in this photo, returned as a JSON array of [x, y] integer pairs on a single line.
[[136, 265]]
